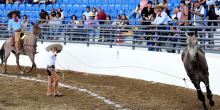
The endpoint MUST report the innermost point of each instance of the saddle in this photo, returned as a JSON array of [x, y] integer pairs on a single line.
[[22, 40]]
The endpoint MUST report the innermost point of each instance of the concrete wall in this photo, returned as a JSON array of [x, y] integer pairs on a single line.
[[110, 57]]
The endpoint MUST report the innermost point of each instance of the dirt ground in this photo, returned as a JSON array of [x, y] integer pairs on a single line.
[[131, 94]]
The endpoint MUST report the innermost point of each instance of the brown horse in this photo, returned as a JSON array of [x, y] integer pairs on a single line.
[[28, 49], [197, 68]]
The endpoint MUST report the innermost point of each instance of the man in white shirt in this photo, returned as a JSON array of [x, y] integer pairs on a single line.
[[198, 13], [87, 13]]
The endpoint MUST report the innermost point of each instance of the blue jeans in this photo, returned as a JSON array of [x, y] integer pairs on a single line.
[[134, 14]]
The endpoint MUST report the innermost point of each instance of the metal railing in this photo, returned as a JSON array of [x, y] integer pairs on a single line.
[[127, 35]]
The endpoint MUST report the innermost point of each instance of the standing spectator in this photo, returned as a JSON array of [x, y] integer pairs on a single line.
[[2, 1], [91, 21], [156, 2], [51, 1], [161, 18], [135, 13], [52, 12], [176, 13], [198, 13], [35, 1], [82, 21], [101, 15], [60, 11], [164, 2], [184, 14], [94, 11], [43, 15], [50, 23], [124, 22], [57, 21], [147, 11], [88, 12], [106, 32], [203, 3], [143, 4]]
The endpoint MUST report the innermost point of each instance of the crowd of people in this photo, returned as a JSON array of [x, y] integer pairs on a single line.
[[27, 1]]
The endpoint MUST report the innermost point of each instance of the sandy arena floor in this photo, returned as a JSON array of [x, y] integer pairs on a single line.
[[17, 94]]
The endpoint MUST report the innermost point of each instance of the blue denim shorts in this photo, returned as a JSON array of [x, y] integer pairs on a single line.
[[49, 73]]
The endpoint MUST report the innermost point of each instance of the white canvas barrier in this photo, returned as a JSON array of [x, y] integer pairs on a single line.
[[111, 57]]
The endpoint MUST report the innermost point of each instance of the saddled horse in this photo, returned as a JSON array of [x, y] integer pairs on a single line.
[[197, 68], [29, 48]]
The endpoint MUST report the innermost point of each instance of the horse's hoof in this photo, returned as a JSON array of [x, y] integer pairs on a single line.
[[27, 71], [39, 76], [212, 103], [22, 72], [3, 72]]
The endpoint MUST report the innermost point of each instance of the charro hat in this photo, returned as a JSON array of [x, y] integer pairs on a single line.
[[92, 14], [160, 5], [17, 12], [58, 46]]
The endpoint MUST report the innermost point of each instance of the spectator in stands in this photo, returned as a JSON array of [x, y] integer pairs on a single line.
[[73, 24], [203, 3], [60, 11], [83, 20], [217, 12], [161, 18], [24, 21], [124, 22], [156, 2], [52, 12], [35, 1], [164, 2], [117, 22], [58, 21], [42, 15], [42, 2], [89, 23], [171, 45], [17, 2], [106, 32], [143, 4], [101, 15], [177, 13], [51, 1], [9, 1], [94, 11], [88, 12], [136, 13], [147, 11], [51, 22], [2, 1], [151, 38], [184, 14], [198, 13]]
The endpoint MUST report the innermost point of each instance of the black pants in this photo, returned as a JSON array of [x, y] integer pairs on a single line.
[[49, 2]]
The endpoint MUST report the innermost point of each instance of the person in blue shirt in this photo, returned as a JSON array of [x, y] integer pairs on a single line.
[[15, 25], [162, 17]]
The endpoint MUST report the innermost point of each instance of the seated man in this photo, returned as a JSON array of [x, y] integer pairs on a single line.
[[91, 21], [161, 18]]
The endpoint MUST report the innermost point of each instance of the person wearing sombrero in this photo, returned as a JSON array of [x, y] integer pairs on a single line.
[[91, 21], [52, 50], [162, 17], [15, 25]]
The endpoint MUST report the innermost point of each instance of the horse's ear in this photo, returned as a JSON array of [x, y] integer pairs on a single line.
[[186, 34], [195, 34], [32, 23]]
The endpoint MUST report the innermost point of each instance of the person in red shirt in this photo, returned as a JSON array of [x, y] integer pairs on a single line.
[[101, 16]]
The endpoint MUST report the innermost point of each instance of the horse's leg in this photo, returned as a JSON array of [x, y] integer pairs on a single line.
[[31, 56], [209, 92], [17, 61], [6, 58], [201, 97], [28, 71]]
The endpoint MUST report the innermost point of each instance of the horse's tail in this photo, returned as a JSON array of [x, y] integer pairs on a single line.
[[2, 53]]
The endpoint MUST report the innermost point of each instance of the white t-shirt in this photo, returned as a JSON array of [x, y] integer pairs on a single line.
[[51, 58], [36, 0], [210, 2], [202, 12]]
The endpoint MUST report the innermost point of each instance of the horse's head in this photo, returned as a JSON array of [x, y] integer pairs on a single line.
[[192, 46], [36, 30]]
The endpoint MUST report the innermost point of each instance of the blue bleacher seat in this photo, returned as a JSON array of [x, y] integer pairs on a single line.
[[49, 6], [98, 1], [4, 21], [66, 22], [59, 1], [125, 7], [119, 1], [83, 7], [138, 23], [15, 7], [121, 12], [28, 7], [22, 7], [78, 14], [66, 2], [118, 7], [6, 12], [35, 7], [1, 13], [173, 1], [65, 13], [113, 14], [105, 1], [92, 6], [69, 7], [105, 7], [36, 13], [107, 12], [85, 1], [92, 2], [132, 23], [76, 7], [2, 6], [29, 13], [132, 1], [8, 6], [72, 1], [22, 12], [78, 1], [97, 5], [63, 7], [132, 6], [127, 12], [112, 2], [170, 6], [48, 12], [56, 7], [42, 6], [71, 13], [176, 5], [112, 7], [33, 17]]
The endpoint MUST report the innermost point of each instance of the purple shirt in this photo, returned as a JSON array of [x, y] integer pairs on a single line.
[[93, 21]]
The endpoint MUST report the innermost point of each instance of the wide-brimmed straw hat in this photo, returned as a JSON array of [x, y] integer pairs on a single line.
[[58, 46], [160, 5], [17, 12], [92, 14]]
